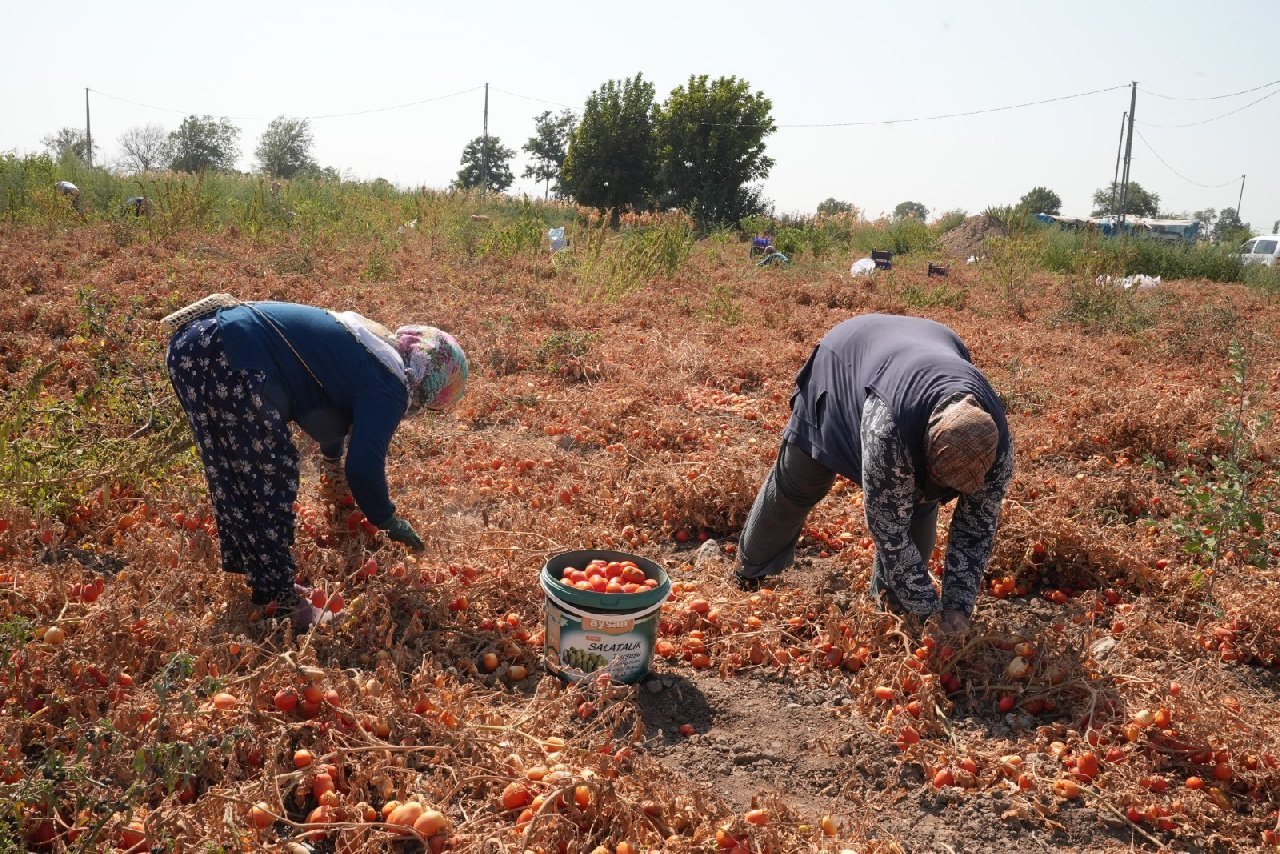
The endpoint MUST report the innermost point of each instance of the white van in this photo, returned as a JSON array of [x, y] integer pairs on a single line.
[[1261, 250]]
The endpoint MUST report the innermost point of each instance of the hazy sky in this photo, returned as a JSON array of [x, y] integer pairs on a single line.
[[819, 62]]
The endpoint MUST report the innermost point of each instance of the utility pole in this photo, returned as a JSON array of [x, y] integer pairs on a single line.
[[88, 136], [1240, 199], [484, 150], [1115, 179], [1128, 151]]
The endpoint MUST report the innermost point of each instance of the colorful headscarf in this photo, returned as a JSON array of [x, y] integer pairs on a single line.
[[435, 366]]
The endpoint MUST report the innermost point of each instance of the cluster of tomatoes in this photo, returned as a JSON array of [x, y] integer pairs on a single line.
[[604, 576]]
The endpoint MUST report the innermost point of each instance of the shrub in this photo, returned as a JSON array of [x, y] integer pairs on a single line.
[[1223, 505], [1012, 259], [949, 220]]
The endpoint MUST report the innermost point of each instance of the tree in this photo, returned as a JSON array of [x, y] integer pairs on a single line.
[[1139, 201], [485, 164], [915, 209], [68, 142], [547, 147], [284, 149], [1229, 228], [831, 206], [1040, 200], [710, 137], [1206, 219], [203, 142], [143, 148], [612, 155]]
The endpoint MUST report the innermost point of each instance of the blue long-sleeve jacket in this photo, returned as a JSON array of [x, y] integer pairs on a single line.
[[357, 399]]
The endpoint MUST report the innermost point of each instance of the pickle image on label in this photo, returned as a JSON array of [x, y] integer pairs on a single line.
[[583, 660]]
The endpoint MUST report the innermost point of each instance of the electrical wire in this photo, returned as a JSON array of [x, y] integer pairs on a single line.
[[1176, 172], [1215, 118], [321, 116], [937, 117], [1209, 97], [879, 121], [531, 98]]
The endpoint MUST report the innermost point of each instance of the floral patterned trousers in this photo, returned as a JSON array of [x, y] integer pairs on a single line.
[[249, 458]]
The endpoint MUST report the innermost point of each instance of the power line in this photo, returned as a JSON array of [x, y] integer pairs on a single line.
[[1211, 97], [958, 115], [531, 98], [322, 116], [1215, 118], [881, 121], [1179, 174]]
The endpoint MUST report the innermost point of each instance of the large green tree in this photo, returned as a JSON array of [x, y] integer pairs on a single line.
[[912, 209], [1040, 200], [548, 147], [1139, 201], [710, 136], [68, 142], [612, 157], [203, 142], [284, 149], [831, 206], [486, 164]]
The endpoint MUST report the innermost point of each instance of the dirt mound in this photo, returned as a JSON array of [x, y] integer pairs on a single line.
[[966, 239]]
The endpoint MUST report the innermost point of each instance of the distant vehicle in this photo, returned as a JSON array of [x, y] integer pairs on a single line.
[[1170, 230], [1262, 250]]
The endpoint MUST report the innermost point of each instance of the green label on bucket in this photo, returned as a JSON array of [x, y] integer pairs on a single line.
[[623, 657]]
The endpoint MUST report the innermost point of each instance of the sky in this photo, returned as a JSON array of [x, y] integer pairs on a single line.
[[821, 63]]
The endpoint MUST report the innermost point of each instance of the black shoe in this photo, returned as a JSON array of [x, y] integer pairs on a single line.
[[750, 585]]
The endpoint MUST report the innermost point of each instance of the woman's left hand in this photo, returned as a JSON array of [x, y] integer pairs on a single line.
[[402, 532]]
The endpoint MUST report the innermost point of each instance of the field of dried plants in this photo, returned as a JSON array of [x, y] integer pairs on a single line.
[[1117, 691]]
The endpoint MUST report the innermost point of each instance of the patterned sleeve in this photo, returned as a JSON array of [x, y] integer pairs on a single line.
[[888, 486], [972, 535]]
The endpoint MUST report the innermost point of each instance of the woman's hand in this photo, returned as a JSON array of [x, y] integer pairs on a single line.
[[402, 532]]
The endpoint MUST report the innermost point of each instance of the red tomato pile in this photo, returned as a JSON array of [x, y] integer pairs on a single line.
[[602, 576]]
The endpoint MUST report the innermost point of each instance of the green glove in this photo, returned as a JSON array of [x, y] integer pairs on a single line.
[[402, 532]]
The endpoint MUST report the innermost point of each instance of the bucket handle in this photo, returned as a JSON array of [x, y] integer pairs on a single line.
[[565, 606]]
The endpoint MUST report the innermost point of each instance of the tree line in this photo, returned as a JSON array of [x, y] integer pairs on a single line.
[[201, 143], [702, 149], [1224, 225]]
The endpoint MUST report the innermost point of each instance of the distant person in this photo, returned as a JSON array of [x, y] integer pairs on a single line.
[[72, 192], [138, 205], [243, 371], [773, 255], [895, 405]]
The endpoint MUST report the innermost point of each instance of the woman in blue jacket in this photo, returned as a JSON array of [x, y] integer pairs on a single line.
[[895, 405], [243, 372]]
